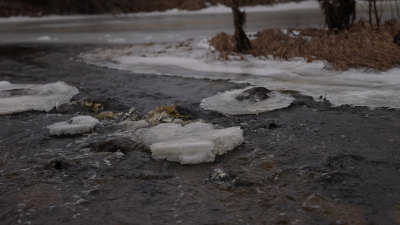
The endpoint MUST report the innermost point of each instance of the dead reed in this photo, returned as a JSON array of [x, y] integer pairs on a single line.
[[360, 46]]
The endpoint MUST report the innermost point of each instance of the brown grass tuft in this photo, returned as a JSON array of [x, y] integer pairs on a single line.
[[361, 46], [224, 44]]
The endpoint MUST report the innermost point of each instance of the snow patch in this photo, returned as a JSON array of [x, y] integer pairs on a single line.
[[24, 97], [217, 9], [76, 125], [222, 9], [205, 44], [47, 38], [190, 144], [227, 103]]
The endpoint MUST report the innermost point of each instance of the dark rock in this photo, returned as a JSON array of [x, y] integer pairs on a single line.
[[109, 146], [115, 145], [243, 183], [151, 175], [255, 94], [185, 112], [220, 176], [273, 125], [57, 164]]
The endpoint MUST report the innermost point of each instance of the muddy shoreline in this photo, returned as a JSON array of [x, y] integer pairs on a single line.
[[309, 163]]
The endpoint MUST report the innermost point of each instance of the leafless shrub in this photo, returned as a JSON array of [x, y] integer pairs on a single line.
[[224, 44], [339, 14], [242, 43], [360, 46]]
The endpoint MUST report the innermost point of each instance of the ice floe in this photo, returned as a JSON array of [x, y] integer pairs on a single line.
[[24, 97], [190, 144], [227, 103], [76, 125], [193, 143]]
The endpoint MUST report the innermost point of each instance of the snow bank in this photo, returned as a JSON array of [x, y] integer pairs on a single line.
[[227, 103], [190, 144], [24, 97], [354, 87], [222, 9], [217, 9], [76, 125]]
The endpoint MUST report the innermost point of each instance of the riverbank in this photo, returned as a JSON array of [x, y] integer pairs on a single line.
[[359, 47], [71, 7]]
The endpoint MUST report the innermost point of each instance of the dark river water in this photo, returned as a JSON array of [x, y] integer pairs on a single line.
[[310, 163], [307, 164]]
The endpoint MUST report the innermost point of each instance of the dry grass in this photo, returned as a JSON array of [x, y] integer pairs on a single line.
[[361, 46], [224, 44], [46, 7]]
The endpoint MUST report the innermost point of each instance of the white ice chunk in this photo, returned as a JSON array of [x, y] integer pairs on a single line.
[[76, 125], [44, 38], [227, 103], [24, 97], [190, 144], [184, 151], [47, 38]]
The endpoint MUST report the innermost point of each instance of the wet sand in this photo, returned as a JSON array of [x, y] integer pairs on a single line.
[[310, 163]]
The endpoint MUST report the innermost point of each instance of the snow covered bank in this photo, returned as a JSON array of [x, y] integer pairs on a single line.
[[190, 144], [24, 97], [217, 9], [227, 103], [195, 59], [76, 125]]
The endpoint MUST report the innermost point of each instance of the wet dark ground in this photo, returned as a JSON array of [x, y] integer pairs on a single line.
[[307, 164]]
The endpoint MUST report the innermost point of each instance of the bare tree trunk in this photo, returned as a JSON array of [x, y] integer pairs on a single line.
[[397, 7], [242, 43], [391, 8], [377, 18], [370, 11], [339, 14]]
